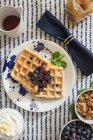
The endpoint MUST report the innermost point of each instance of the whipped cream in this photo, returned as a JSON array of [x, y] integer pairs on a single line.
[[11, 124]]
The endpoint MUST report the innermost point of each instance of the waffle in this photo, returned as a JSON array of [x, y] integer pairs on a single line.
[[55, 88], [27, 62]]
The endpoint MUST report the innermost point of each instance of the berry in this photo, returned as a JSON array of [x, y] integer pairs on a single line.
[[40, 77], [79, 131], [67, 132], [92, 135], [82, 138], [84, 133], [67, 128]]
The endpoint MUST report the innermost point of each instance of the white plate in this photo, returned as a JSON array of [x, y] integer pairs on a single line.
[[19, 95]]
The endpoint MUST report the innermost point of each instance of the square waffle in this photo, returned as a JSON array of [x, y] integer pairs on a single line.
[[55, 88], [27, 62]]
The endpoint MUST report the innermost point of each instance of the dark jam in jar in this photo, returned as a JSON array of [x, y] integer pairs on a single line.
[[10, 22], [40, 77]]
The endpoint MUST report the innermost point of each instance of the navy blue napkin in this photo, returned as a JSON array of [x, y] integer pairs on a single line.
[[82, 56]]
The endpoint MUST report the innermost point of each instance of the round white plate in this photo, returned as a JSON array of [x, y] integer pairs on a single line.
[[19, 95]]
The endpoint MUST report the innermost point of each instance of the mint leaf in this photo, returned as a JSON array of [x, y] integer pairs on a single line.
[[63, 64], [91, 85], [60, 63], [57, 63], [56, 56], [57, 60], [80, 91], [73, 113]]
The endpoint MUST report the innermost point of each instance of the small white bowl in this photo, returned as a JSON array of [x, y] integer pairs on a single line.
[[66, 125], [19, 121], [78, 115]]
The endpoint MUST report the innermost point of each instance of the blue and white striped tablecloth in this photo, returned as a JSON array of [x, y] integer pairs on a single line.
[[45, 126]]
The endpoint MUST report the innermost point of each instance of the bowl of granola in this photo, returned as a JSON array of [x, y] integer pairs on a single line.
[[84, 106]]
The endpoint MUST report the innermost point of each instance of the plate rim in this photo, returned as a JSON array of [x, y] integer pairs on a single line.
[[74, 74]]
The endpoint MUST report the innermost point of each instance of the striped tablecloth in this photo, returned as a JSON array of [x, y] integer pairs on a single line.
[[45, 126]]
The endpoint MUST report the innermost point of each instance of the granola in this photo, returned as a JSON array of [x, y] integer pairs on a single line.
[[84, 105]]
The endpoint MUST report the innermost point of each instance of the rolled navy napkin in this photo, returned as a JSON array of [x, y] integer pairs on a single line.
[[82, 56]]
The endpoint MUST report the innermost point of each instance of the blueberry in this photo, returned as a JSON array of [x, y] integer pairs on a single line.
[[86, 128], [70, 138], [35, 75], [88, 136], [77, 136], [74, 135], [47, 77], [82, 138], [67, 128], [84, 133], [88, 131], [33, 78], [78, 139], [41, 80], [40, 89], [29, 74], [73, 130], [67, 132], [81, 127], [74, 123], [92, 135], [44, 83], [71, 126], [66, 137], [38, 69], [79, 131], [74, 126], [49, 80]]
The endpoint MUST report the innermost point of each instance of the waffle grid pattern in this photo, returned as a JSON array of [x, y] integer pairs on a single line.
[[54, 89], [27, 62]]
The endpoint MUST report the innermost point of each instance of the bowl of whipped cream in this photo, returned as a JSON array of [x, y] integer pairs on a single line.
[[11, 124]]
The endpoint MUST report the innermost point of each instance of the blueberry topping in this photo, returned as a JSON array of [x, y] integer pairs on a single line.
[[40, 77]]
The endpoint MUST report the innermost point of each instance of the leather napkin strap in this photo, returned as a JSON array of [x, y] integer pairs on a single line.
[[68, 39]]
